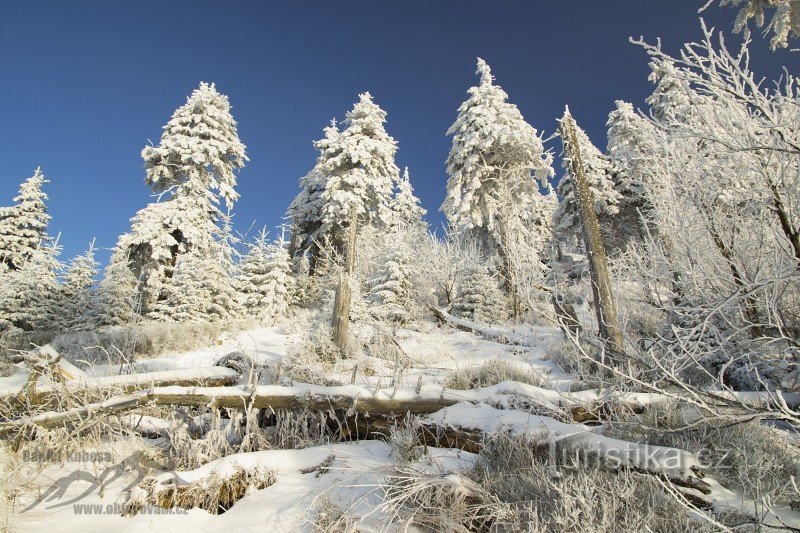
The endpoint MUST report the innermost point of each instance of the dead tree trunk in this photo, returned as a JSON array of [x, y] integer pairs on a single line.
[[593, 242], [341, 304]]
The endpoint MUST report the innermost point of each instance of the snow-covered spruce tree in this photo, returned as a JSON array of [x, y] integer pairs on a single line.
[[78, 303], [117, 293], [598, 170], [201, 290], [406, 208], [479, 298], [24, 225], [494, 158], [160, 233], [636, 150], [265, 283], [29, 296], [390, 287], [195, 163], [305, 211], [355, 170]]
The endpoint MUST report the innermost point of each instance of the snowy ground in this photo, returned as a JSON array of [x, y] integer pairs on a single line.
[[87, 496]]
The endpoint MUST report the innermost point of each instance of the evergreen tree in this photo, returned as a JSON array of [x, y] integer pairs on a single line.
[[78, 302], [356, 170], [24, 226], [117, 292], [494, 158], [200, 291], [200, 151], [479, 298], [598, 172], [406, 208], [390, 288], [265, 283], [636, 151], [29, 296], [195, 163]]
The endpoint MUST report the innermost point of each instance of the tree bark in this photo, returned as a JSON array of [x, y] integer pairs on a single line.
[[605, 307], [341, 304]]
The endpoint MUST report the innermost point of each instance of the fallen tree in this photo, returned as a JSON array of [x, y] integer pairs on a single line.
[[36, 393]]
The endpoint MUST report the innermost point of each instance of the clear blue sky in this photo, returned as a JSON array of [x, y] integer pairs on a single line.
[[84, 85]]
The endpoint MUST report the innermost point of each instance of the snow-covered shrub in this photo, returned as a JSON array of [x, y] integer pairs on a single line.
[[491, 373], [215, 493], [390, 287], [77, 297]]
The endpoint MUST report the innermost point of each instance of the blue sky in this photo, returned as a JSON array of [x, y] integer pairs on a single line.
[[84, 85]]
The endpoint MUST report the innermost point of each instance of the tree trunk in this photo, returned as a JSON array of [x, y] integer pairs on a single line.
[[341, 304], [593, 243]]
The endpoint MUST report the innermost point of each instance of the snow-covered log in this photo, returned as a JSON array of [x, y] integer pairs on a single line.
[[484, 331], [210, 376], [113, 405]]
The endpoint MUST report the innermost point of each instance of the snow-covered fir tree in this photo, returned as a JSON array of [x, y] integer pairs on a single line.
[[195, 164], [23, 226], [117, 293], [406, 208], [160, 233], [78, 303], [29, 296], [479, 298], [265, 283], [201, 290], [494, 158], [598, 173], [390, 287], [636, 150], [200, 150], [355, 169]]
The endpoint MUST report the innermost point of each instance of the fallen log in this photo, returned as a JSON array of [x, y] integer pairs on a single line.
[[121, 384], [503, 337], [116, 404]]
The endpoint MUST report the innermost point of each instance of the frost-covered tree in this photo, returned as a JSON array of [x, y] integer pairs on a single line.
[[195, 164], [118, 292], [598, 170], [201, 290], [494, 159], [200, 151], [405, 206], [636, 150], [479, 298], [390, 287], [78, 303], [265, 283], [24, 225], [29, 296], [354, 172], [784, 22], [160, 233]]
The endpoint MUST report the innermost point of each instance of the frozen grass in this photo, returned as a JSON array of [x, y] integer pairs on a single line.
[[565, 490], [491, 373], [216, 494]]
